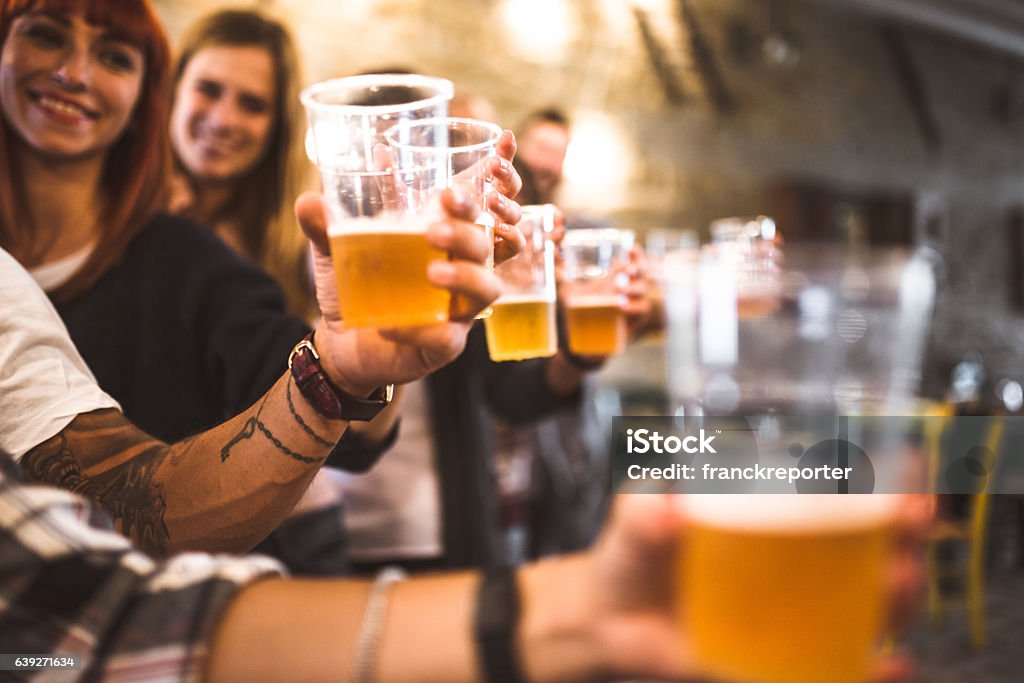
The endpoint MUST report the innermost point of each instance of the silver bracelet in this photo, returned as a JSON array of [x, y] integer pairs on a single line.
[[373, 624]]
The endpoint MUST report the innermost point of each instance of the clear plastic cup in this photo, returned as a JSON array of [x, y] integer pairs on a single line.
[[523, 324], [595, 262], [464, 148], [378, 209]]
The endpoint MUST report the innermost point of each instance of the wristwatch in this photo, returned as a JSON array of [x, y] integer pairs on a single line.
[[327, 399]]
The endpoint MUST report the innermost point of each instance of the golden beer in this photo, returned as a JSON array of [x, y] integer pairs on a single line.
[[382, 279], [785, 588], [521, 326], [596, 325]]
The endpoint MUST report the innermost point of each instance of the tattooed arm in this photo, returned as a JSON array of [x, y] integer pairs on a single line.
[[222, 490], [227, 488]]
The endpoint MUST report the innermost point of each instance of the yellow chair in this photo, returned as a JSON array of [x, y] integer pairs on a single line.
[[971, 531]]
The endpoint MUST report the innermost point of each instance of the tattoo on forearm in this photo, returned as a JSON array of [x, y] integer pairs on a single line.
[[302, 423], [125, 490], [254, 424], [248, 429]]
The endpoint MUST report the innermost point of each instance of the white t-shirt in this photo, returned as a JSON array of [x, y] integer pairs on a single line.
[[44, 383], [394, 510], [52, 275]]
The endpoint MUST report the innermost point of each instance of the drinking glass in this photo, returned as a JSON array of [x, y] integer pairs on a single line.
[[750, 242], [523, 322], [659, 243], [464, 149], [784, 582], [785, 588], [378, 211], [595, 262]]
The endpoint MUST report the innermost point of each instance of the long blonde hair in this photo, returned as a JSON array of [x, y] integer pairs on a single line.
[[135, 171], [261, 204]]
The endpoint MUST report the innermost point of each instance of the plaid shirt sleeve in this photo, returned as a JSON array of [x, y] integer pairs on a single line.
[[71, 585]]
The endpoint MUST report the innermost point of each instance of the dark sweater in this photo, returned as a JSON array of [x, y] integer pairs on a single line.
[[183, 332]]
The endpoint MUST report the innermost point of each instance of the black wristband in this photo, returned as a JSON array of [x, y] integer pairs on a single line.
[[496, 625]]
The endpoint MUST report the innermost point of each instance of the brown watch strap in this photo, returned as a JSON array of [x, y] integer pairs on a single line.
[[326, 398]]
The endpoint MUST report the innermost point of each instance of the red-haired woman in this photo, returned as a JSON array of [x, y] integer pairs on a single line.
[[81, 167], [176, 326]]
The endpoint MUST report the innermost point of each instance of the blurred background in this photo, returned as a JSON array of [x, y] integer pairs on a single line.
[[854, 121], [862, 120]]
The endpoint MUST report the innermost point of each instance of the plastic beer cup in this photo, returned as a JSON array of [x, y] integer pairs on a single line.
[[592, 293], [522, 324], [463, 148], [378, 210]]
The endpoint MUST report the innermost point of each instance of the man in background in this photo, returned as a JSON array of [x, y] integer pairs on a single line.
[[543, 142]]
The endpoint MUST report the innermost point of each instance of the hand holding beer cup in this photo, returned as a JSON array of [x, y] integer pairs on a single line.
[[361, 359], [461, 154], [378, 209], [794, 585], [637, 598], [523, 322], [595, 290]]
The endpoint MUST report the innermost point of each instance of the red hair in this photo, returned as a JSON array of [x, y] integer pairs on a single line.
[[135, 172]]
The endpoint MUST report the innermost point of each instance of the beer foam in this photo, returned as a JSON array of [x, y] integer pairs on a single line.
[[375, 226], [789, 513], [526, 298], [595, 301]]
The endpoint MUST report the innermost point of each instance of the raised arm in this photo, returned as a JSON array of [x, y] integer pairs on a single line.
[[228, 487], [222, 490]]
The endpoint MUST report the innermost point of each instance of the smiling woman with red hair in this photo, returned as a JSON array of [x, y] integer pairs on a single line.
[[200, 333], [127, 173]]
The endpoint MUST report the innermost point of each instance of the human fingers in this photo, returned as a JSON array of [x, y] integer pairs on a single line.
[[636, 290], [473, 287], [558, 234], [457, 204], [508, 241], [312, 216], [506, 178], [906, 572], [905, 589], [507, 146], [641, 539], [916, 516], [503, 208], [460, 239], [431, 345], [637, 306]]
